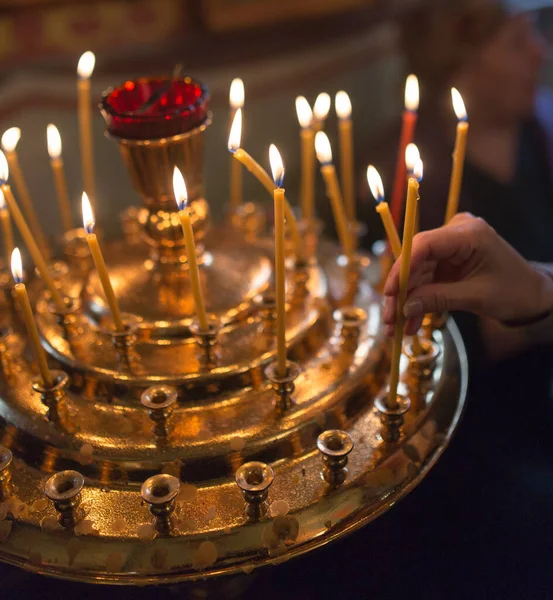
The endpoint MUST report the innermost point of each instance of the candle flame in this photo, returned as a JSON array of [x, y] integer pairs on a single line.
[[343, 105], [235, 135], [2, 201], [375, 183], [237, 94], [179, 189], [17, 266], [88, 215], [277, 166], [412, 93], [412, 155], [10, 138], [322, 148], [53, 138], [4, 168], [304, 112], [86, 65], [418, 170], [321, 106], [458, 105]]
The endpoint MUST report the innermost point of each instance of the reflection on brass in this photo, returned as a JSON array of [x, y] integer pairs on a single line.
[[254, 480], [69, 318], [64, 490], [207, 340], [421, 365], [160, 401], [52, 396], [392, 419], [350, 321], [6, 458], [335, 446], [160, 492], [283, 386]]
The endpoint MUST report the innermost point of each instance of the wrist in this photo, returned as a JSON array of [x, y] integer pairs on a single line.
[[540, 300]]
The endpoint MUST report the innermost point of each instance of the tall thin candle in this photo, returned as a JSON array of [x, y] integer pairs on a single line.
[[56, 163], [321, 108], [382, 208], [458, 155], [84, 72], [307, 195], [236, 99], [405, 267], [181, 197], [7, 231], [409, 122], [347, 168]]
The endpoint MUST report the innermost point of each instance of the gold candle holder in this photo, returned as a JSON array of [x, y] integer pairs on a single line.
[[254, 480], [335, 446], [160, 492], [64, 490]]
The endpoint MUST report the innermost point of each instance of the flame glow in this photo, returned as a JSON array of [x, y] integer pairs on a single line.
[[412, 93], [179, 189], [86, 65], [17, 266], [321, 106], [10, 138], [343, 105], [88, 215], [375, 183], [237, 94], [2, 201], [235, 135], [418, 170], [458, 105], [412, 155], [304, 112], [277, 166], [322, 148], [4, 168], [53, 138]]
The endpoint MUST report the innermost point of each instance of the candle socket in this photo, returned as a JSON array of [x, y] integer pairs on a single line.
[[123, 341], [335, 446], [64, 490], [160, 492], [434, 321], [254, 480], [392, 418], [52, 396], [207, 340], [284, 387], [76, 251], [266, 307], [249, 218], [6, 459], [350, 320], [160, 400], [422, 364], [68, 319]]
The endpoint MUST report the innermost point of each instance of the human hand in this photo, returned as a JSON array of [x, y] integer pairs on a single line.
[[467, 266]]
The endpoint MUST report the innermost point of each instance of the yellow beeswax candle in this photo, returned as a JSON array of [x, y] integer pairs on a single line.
[[98, 258], [236, 99], [10, 138], [7, 231], [405, 266], [27, 235], [458, 156], [347, 169], [181, 196], [277, 168], [307, 195], [26, 313], [324, 154], [84, 72], [56, 163], [382, 208], [321, 109]]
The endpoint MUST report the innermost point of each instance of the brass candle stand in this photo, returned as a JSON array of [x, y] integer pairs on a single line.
[[176, 454]]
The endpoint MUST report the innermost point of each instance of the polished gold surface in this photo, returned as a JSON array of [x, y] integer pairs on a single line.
[[151, 462]]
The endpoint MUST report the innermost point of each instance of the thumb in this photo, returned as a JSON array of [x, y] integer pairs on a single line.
[[439, 297]]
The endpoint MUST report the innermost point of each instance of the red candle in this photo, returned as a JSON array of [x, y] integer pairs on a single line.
[[407, 135]]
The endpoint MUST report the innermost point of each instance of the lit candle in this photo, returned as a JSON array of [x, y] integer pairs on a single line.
[[27, 235], [409, 121], [458, 156], [382, 208], [347, 169], [98, 258], [405, 266], [7, 232], [324, 154], [9, 143], [277, 168], [26, 313], [263, 177], [305, 118], [56, 162], [321, 109], [236, 98], [412, 157], [84, 72], [181, 196]]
